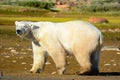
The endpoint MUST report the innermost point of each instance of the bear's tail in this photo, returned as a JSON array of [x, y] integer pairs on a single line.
[[101, 39]]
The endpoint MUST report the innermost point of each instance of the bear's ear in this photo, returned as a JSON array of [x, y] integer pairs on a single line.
[[16, 22], [33, 27]]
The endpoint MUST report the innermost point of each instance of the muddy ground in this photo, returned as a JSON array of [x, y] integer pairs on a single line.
[[16, 61]]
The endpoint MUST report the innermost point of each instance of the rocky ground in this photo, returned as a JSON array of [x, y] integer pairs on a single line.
[[16, 61]]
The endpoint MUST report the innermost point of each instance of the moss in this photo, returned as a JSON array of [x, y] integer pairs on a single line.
[[110, 36]]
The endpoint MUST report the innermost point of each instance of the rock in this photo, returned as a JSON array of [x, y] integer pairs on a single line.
[[21, 57], [13, 51], [23, 53], [14, 61], [114, 64], [53, 73], [107, 64], [10, 48], [29, 49], [97, 20], [1, 74], [23, 63], [7, 56], [1, 46], [109, 48], [118, 52], [68, 63], [47, 63], [112, 60]]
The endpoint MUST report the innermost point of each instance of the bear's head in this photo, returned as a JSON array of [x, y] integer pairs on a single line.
[[23, 28]]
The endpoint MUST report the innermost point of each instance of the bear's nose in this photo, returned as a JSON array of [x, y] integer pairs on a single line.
[[19, 32]]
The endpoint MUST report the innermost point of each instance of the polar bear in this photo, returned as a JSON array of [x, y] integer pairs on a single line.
[[79, 38]]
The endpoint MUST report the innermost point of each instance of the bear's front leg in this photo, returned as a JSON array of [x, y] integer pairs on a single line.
[[39, 58]]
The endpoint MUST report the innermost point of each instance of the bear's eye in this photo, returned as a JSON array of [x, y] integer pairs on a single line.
[[25, 27]]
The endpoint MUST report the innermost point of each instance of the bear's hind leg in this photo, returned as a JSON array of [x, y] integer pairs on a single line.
[[59, 57], [95, 60], [57, 53], [85, 64], [83, 57]]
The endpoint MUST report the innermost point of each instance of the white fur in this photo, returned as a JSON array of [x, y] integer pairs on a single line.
[[79, 38]]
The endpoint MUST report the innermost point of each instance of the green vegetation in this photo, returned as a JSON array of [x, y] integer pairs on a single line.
[[37, 4], [7, 27], [30, 3], [99, 7], [7, 31], [82, 6], [108, 26], [9, 14], [109, 36], [9, 10]]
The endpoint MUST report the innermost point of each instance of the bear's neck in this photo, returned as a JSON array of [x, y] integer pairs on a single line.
[[30, 36]]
